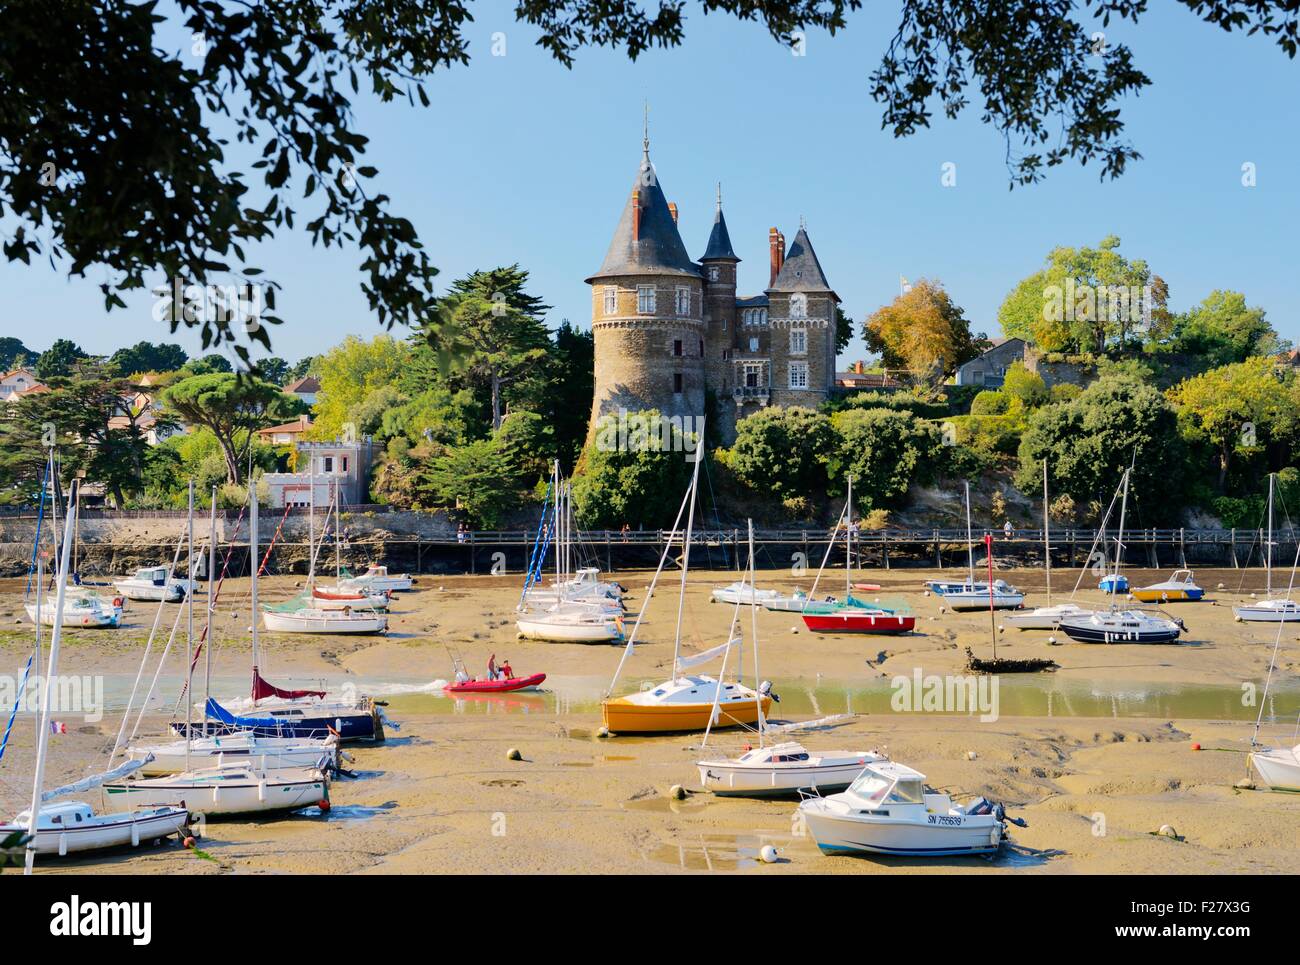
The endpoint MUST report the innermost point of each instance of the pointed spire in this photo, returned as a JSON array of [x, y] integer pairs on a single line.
[[645, 133], [719, 246], [801, 271]]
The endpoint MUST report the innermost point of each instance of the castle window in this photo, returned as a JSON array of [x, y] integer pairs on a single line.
[[701, 348], [798, 341], [798, 305], [683, 300], [677, 383], [677, 346], [645, 299], [714, 273], [611, 300], [798, 375], [753, 345]]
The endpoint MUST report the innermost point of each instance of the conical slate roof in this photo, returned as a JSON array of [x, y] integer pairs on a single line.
[[658, 248], [719, 241], [801, 272]]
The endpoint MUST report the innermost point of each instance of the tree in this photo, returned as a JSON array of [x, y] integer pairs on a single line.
[[485, 478], [571, 380], [1026, 386], [1089, 441], [923, 332], [300, 368], [13, 353], [272, 369], [1240, 409], [58, 359], [207, 364], [349, 373], [782, 452], [843, 330], [123, 134], [884, 450], [232, 407], [148, 357], [641, 485], [1087, 300], [1222, 329]]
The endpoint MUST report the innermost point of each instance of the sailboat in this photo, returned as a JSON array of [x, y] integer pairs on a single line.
[[1271, 609], [781, 769], [68, 826], [80, 609], [976, 596], [1116, 625], [1046, 617], [686, 701]]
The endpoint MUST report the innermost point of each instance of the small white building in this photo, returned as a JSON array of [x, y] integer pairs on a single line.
[[307, 388], [18, 382], [342, 467]]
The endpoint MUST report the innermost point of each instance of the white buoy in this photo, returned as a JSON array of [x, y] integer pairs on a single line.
[[943, 609], [1237, 619], [602, 731], [514, 755], [1052, 639], [927, 593], [971, 755], [768, 854], [1002, 628], [1167, 831], [794, 629], [677, 792]]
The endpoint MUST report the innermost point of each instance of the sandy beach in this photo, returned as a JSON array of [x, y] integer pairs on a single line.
[[1096, 755]]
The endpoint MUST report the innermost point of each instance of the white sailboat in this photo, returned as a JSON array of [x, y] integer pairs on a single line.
[[1046, 617], [978, 596], [1271, 609], [1278, 767], [744, 592], [80, 609], [266, 753]]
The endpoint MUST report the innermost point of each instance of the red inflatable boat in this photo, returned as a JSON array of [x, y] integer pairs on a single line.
[[503, 685]]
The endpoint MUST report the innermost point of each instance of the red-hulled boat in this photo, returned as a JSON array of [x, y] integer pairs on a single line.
[[502, 685], [853, 619]]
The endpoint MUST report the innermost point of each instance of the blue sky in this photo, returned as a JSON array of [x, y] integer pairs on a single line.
[[521, 160]]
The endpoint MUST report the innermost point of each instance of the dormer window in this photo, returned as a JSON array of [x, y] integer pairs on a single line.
[[798, 305], [683, 300], [645, 299], [611, 300]]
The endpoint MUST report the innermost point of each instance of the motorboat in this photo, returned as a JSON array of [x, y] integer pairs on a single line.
[[786, 602], [499, 685], [783, 770], [887, 810], [977, 596], [1278, 767], [377, 578], [1178, 588], [224, 789], [1122, 626], [744, 593], [80, 609], [1045, 617], [1113, 583], [268, 753], [318, 620], [71, 826], [683, 704], [153, 584]]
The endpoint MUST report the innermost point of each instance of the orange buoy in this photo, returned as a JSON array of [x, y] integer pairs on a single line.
[[189, 841], [1196, 747], [324, 805]]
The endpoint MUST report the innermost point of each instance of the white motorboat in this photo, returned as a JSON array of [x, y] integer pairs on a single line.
[[887, 810], [1278, 767], [786, 602], [744, 593], [269, 753], [377, 578], [234, 788], [1179, 587], [316, 620], [153, 584], [782, 770], [977, 596], [1271, 609], [80, 609], [565, 625], [1122, 626], [70, 826], [1046, 617]]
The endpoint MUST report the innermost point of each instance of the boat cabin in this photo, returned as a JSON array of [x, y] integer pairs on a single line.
[[157, 575], [62, 814], [788, 753], [693, 689], [886, 783]]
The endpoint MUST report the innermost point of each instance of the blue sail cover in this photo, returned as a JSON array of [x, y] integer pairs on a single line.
[[218, 713]]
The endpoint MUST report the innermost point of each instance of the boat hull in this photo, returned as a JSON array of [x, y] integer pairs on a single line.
[[854, 620], [1091, 634], [107, 831], [838, 834], [1153, 595], [962, 600], [626, 717], [1279, 768], [1044, 618], [728, 779], [349, 726], [221, 798], [581, 632], [506, 686], [150, 593], [294, 623], [1267, 614], [270, 754], [91, 619]]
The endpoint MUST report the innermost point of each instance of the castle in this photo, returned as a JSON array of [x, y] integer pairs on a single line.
[[670, 331]]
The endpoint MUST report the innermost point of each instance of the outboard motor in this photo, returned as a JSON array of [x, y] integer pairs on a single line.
[[765, 690]]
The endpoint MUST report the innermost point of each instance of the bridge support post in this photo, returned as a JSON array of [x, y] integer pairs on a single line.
[[1232, 548]]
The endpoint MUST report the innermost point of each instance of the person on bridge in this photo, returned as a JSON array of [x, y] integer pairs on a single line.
[[1008, 529]]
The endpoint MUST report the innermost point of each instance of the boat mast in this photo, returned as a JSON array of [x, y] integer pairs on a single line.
[[212, 578], [970, 546], [311, 525], [338, 535], [1119, 540], [252, 558], [686, 548], [1047, 542], [189, 620], [753, 619], [848, 546], [1268, 547], [56, 637]]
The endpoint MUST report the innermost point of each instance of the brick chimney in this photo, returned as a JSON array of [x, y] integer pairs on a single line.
[[672, 210], [859, 367], [636, 215], [776, 252]]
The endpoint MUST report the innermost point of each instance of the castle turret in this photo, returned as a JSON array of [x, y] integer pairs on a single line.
[[802, 319], [647, 311], [719, 265]]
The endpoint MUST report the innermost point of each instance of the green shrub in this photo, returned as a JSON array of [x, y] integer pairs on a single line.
[[990, 402]]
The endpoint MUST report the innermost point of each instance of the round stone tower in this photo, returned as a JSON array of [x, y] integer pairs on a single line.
[[718, 264], [647, 311]]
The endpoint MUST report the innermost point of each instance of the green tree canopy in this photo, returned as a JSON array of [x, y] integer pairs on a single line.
[[148, 357], [13, 353], [59, 359], [232, 407], [884, 450], [783, 452], [640, 485], [1223, 329], [922, 331]]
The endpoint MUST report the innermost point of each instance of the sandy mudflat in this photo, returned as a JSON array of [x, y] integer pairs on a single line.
[[1095, 756]]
